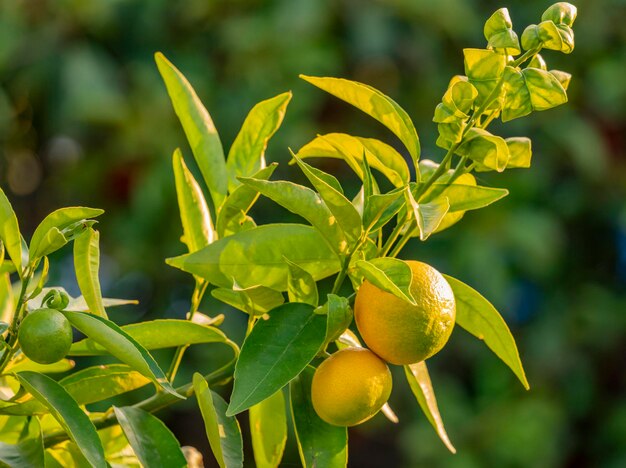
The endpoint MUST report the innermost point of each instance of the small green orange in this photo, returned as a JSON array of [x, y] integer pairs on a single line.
[[402, 333], [45, 336], [350, 387]]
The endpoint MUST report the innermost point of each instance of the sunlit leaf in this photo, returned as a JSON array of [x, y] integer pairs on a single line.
[[87, 265], [301, 286], [247, 153], [476, 315], [376, 104], [199, 129], [389, 274], [10, 232], [421, 386], [255, 300], [255, 257], [28, 452], [194, 213]]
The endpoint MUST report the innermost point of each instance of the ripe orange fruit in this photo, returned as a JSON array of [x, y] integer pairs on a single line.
[[45, 336], [402, 333], [350, 387]]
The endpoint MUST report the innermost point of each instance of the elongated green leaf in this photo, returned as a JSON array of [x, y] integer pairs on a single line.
[[54, 224], [256, 300], [380, 156], [319, 443], [194, 212], [255, 257], [151, 440], [89, 386], [375, 104], [10, 232], [389, 274], [68, 414], [344, 212], [276, 350], [268, 429], [156, 334], [380, 209], [421, 386], [301, 286], [233, 217], [466, 197], [247, 154], [28, 452], [476, 315], [199, 129], [222, 431], [76, 304], [120, 345], [87, 265], [304, 202]]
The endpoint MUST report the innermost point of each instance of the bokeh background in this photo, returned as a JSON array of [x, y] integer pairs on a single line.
[[85, 119]]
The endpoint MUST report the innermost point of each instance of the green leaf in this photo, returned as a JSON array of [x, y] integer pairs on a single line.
[[120, 345], [7, 299], [194, 212], [276, 351], [25, 364], [563, 77], [319, 443], [389, 274], [344, 212], [87, 264], [76, 304], [151, 440], [68, 414], [28, 452], [476, 315], [222, 431], [89, 386], [427, 215], [255, 300], [247, 153], [489, 151], [520, 152], [422, 388], [380, 156], [304, 202], [483, 68], [466, 197], [561, 13], [301, 286], [268, 429], [53, 232], [233, 218], [199, 129], [457, 101], [10, 232], [499, 33], [545, 90], [157, 334], [516, 98], [338, 316], [255, 257], [375, 104]]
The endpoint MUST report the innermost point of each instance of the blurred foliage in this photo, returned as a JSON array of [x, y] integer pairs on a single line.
[[85, 119]]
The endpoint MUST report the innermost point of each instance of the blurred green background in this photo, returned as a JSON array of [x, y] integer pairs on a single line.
[[85, 119]]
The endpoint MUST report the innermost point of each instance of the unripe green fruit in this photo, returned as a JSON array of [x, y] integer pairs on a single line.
[[45, 336]]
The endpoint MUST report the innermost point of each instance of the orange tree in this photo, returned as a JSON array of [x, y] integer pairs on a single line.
[[301, 350]]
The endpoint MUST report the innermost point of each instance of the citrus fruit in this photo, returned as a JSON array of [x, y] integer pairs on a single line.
[[402, 333], [350, 387], [45, 336]]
